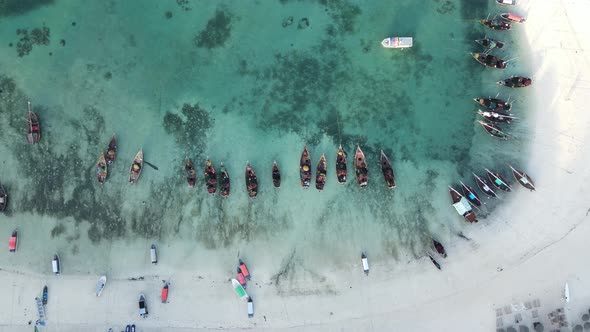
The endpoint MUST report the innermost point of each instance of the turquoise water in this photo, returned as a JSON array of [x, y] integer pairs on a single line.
[[240, 81]]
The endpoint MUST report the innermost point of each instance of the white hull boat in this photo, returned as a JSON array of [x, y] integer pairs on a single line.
[[102, 281], [397, 42]]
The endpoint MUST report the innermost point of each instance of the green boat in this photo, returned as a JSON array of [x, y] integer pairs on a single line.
[[239, 289]]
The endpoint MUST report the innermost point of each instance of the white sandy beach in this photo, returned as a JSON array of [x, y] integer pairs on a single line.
[[527, 250]]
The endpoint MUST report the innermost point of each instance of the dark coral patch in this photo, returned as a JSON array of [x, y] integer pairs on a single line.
[[20, 7], [190, 128], [217, 31]]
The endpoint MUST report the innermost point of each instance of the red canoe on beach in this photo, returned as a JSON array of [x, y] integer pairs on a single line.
[[13, 241], [244, 269], [241, 278], [164, 294]]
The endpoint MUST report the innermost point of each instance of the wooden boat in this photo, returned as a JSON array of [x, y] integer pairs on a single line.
[[244, 269], [439, 248], [471, 195], [489, 60], [494, 130], [13, 241], [397, 42], [483, 185], [143, 309], [305, 168], [55, 264], [239, 289], [224, 183], [276, 175], [365, 263], [251, 181], [490, 43], [523, 178], [101, 169], [516, 82], [241, 279], [33, 127], [494, 104], [434, 262], [102, 281], [164, 293], [111, 151], [360, 166], [512, 18], [498, 180], [136, 167], [387, 171], [496, 24], [496, 116], [45, 295], [3, 198], [153, 254], [321, 171], [506, 2], [461, 204], [40, 311], [189, 172], [341, 170], [210, 177]]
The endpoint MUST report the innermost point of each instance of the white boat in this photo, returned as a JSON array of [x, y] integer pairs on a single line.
[[153, 254], [506, 2], [250, 308], [365, 262], [566, 293], [55, 264], [143, 312], [239, 289], [102, 281], [397, 42]]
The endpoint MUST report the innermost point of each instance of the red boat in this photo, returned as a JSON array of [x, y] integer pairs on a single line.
[[164, 295], [13, 241], [241, 278], [244, 270]]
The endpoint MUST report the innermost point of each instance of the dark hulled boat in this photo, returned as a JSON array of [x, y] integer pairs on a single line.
[[111, 151], [321, 171], [387, 170], [189, 172], [3, 198], [496, 116], [461, 204], [516, 82], [498, 180], [489, 60], [305, 168], [509, 17], [493, 130], [341, 171], [101, 169], [439, 248], [224, 183], [360, 166], [523, 178], [496, 24], [276, 175], [251, 181], [434, 262], [471, 195], [33, 127], [490, 43], [494, 104], [484, 186], [210, 177]]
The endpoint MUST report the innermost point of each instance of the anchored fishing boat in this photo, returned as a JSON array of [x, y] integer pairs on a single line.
[[3, 198], [516, 82], [434, 262], [365, 263], [489, 60], [496, 116], [33, 126], [13, 241], [224, 183], [439, 248], [387, 171], [490, 43], [101, 169], [496, 24], [244, 269], [305, 168], [471, 195], [111, 151], [360, 166], [164, 293], [56, 265], [276, 175], [239, 289], [102, 281], [523, 178], [483, 185], [321, 171], [397, 42], [498, 180], [189, 172], [512, 18], [494, 130], [251, 181], [341, 171], [143, 309], [461, 204], [136, 167], [210, 177], [494, 104]]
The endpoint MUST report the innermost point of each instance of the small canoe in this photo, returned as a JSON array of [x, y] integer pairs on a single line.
[[224, 183], [470, 194], [360, 166], [210, 177], [461, 204], [321, 171], [496, 117], [483, 185], [341, 171], [3, 198], [516, 82], [439, 248], [101, 169], [365, 263], [494, 104], [33, 126], [523, 178], [496, 24], [143, 310], [244, 269], [13, 241], [45, 295], [276, 175], [241, 278], [239, 289], [136, 167], [490, 43], [397, 42], [251, 181], [102, 281], [494, 130], [305, 168], [128, 328], [498, 180], [434, 262], [566, 293], [164, 293], [490, 61], [56, 265], [40, 311], [512, 18], [506, 2], [189, 172], [387, 171], [111, 151], [153, 254]]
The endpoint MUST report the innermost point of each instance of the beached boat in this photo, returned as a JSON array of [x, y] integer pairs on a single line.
[[506, 2], [496, 116], [439, 248], [305, 168], [566, 293], [136, 167], [496, 24], [490, 43], [434, 262], [512, 18], [360, 166], [3, 198], [341, 170], [498, 180], [40, 312], [523, 178], [45, 295], [153, 254], [164, 293], [111, 151], [516, 82], [494, 130], [13, 241], [56, 265], [102, 281], [483, 185], [321, 171], [33, 127], [239, 289], [224, 183], [461, 204], [397, 42], [365, 263], [387, 171], [210, 177], [143, 309], [251, 181], [128, 328], [244, 269], [241, 278], [101, 169], [189, 172], [489, 60], [471, 195], [276, 175], [250, 307], [494, 104]]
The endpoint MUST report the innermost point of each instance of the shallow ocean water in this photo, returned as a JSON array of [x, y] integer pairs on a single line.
[[238, 82]]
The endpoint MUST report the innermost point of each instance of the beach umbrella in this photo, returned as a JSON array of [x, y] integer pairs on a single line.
[[523, 328], [585, 317], [578, 328], [511, 329], [538, 327], [587, 326]]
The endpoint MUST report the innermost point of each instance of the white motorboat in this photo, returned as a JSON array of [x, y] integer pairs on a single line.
[[397, 42], [102, 281]]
